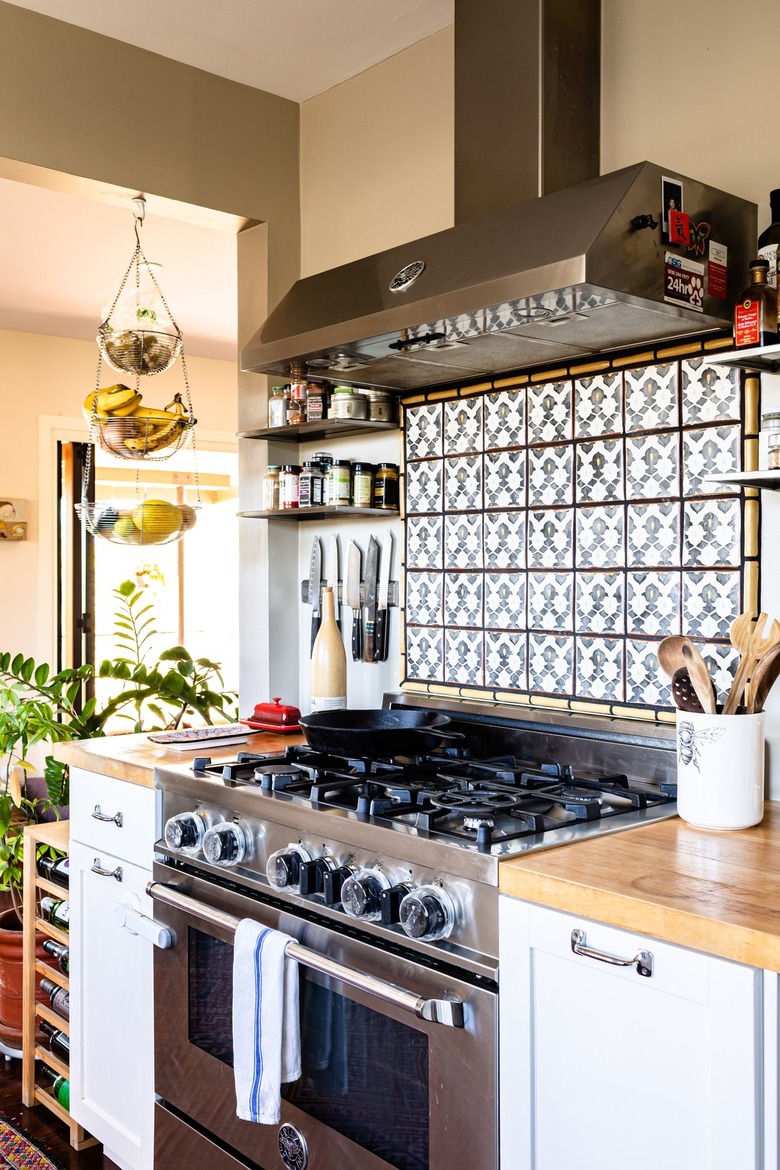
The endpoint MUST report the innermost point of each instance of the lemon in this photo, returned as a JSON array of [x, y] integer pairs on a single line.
[[124, 527], [157, 518]]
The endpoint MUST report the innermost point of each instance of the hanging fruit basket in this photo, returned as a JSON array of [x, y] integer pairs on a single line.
[[138, 351], [129, 430], [144, 522]]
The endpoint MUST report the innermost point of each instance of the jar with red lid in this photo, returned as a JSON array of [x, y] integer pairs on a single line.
[[289, 486]]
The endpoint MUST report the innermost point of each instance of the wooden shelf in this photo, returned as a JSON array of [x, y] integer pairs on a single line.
[[325, 513], [56, 835], [764, 359], [312, 432], [769, 480]]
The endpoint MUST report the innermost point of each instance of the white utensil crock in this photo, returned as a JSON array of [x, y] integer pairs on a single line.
[[720, 770]]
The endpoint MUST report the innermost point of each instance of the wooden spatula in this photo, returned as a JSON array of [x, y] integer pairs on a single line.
[[670, 657], [753, 637], [700, 677], [765, 675]]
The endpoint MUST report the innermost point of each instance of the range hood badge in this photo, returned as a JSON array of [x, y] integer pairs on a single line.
[[406, 277]]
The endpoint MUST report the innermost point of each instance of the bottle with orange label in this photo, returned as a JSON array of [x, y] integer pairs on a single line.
[[755, 310]]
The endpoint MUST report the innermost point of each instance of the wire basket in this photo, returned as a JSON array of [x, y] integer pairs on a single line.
[[143, 522], [129, 437], [138, 351]]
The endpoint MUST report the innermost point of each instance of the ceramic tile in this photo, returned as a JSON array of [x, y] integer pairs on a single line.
[[423, 425], [463, 599], [645, 684], [463, 425], [653, 534], [424, 486], [599, 669], [653, 466], [463, 542], [505, 540], [549, 412], [598, 405], [601, 537], [711, 602], [599, 603], [463, 483], [653, 604], [463, 657], [551, 664], [550, 476], [712, 533], [550, 542], [505, 418], [505, 479], [424, 543], [505, 661], [550, 601], [600, 471], [424, 598], [651, 398], [709, 393], [425, 653], [712, 451], [505, 601]]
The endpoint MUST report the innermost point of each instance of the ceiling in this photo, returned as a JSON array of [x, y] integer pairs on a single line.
[[63, 255]]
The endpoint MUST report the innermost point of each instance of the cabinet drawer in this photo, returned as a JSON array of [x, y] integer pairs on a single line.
[[130, 828]]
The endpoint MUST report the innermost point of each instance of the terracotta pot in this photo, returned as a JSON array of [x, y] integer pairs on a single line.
[[11, 978]]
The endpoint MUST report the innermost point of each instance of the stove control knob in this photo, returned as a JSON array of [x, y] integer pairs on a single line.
[[312, 875], [333, 882], [225, 844], [360, 894], [390, 902], [427, 913], [186, 831], [284, 866]]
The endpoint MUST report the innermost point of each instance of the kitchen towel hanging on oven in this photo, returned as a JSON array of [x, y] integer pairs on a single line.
[[266, 1029]]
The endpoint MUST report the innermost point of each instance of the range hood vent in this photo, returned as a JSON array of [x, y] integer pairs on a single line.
[[580, 271]]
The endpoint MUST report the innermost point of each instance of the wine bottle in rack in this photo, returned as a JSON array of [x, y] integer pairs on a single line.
[[56, 911], [55, 869], [59, 998], [59, 1041], [60, 1086], [58, 952]]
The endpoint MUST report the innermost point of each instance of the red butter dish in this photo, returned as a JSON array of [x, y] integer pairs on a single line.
[[274, 716]]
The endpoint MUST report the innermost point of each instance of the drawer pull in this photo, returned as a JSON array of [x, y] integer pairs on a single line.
[[98, 869], [642, 960], [99, 815]]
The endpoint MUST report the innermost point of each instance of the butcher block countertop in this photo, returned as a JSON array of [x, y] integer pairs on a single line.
[[713, 892], [134, 757]]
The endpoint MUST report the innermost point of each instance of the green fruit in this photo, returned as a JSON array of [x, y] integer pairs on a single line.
[[157, 518], [124, 527]]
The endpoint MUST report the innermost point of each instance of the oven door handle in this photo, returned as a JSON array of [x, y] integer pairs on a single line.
[[437, 1011]]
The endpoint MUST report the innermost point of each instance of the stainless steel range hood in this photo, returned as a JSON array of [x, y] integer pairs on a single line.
[[581, 271]]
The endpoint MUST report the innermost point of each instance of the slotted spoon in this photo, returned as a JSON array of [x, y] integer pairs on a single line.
[[753, 636]]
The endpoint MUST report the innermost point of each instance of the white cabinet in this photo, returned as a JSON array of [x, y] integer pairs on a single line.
[[111, 976], [603, 1067]]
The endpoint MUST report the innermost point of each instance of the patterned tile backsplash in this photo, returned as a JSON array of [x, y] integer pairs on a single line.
[[556, 529]]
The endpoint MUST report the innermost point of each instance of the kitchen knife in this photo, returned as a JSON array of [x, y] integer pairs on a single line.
[[333, 576], [383, 614], [371, 586], [352, 590], [315, 584]]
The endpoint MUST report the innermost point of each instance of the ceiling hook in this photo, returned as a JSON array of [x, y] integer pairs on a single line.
[[139, 203]]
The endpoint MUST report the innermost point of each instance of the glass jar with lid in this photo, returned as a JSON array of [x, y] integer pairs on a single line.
[[386, 486], [346, 402], [271, 488], [363, 485], [770, 430], [277, 407], [310, 485], [340, 483], [289, 486]]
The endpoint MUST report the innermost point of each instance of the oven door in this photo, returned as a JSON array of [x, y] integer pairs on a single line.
[[381, 1086]]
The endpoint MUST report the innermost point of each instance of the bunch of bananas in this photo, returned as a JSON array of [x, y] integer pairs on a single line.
[[140, 429]]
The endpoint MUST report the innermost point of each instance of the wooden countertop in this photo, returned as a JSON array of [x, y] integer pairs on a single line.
[[717, 892], [134, 757]]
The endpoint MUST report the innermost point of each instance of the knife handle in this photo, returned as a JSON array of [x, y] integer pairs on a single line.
[[315, 629], [369, 639], [357, 635], [380, 652]]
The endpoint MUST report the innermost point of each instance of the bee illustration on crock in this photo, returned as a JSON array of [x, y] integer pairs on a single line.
[[689, 741]]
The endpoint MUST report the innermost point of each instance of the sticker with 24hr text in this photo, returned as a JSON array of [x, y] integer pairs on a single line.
[[683, 282]]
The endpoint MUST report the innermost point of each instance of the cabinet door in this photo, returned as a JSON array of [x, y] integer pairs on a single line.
[[112, 1037], [602, 1067], [115, 815]]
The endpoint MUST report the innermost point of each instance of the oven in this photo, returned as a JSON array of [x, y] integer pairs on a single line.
[[399, 1054]]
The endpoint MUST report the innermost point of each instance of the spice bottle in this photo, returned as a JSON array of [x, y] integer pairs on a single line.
[[315, 402], [289, 486], [386, 486], [277, 407], [328, 661], [340, 483], [363, 485], [310, 492], [755, 310], [271, 488]]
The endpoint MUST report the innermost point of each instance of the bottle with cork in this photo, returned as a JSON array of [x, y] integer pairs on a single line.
[[755, 310], [328, 661]]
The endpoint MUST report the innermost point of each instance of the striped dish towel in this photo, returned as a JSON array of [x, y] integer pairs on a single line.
[[266, 1028]]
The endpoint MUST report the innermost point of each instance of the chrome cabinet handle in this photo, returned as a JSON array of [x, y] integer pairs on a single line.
[[642, 960], [438, 1011], [99, 815], [98, 869]]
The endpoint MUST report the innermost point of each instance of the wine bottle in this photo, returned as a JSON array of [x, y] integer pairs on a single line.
[[59, 998], [770, 238], [55, 869], [56, 911], [59, 952], [755, 310], [60, 1086], [59, 1041], [328, 661]]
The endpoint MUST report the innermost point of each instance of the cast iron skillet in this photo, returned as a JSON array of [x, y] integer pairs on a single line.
[[376, 733]]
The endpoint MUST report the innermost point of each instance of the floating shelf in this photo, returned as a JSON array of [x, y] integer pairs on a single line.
[[764, 359], [770, 480], [322, 429], [325, 513]]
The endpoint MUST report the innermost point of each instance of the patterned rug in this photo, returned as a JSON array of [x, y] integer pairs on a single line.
[[19, 1151]]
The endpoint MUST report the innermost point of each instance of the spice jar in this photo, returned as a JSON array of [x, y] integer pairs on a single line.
[[347, 403], [381, 405], [340, 483], [316, 399], [310, 486], [773, 454], [770, 427], [289, 486], [325, 460], [271, 488], [295, 411], [386, 486], [362, 485], [277, 407]]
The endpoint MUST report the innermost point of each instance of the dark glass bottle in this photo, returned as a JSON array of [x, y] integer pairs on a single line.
[[59, 998], [58, 952], [769, 240], [60, 1086], [59, 1041], [755, 310], [56, 911], [55, 869]]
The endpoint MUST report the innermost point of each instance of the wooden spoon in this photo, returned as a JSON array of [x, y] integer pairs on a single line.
[[700, 677], [670, 657], [753, 640], [764, 677]]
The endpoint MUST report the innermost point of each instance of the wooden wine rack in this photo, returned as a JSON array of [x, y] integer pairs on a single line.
[[57, 835]]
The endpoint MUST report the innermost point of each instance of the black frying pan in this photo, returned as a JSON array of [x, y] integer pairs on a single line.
[[376, 733]]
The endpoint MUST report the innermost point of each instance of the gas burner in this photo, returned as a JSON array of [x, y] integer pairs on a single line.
[[477, 804]]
